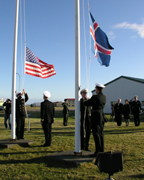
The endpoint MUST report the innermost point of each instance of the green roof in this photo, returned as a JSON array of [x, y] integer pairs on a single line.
[[126, 77]]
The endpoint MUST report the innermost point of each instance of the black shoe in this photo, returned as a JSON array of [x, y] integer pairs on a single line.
[[93, 155], [18, 138], [87, 149], [45, 145], [22, 138]]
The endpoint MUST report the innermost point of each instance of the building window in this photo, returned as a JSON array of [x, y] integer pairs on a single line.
[[113, 102], [142, 103]]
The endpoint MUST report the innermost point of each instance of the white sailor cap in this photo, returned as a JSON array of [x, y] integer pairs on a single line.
[[135, 95], [18, 93], [84, 91], [99, 85], [47, 94]]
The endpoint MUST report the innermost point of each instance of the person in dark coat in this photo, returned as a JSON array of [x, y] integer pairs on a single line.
[[85, 113], [126, 112], [97, 102], [7, 104], [20, 114], [136, 109], [118, 112], [65, 112], [47, 117]]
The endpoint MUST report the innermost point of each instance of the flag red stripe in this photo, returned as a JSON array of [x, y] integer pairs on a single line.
[[95, 25], [39, 75], [105, 51]]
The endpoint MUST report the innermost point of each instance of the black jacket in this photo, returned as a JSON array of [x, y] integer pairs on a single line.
[[118, 109], [20, 106], [65, 108], [126, 109], [84, 110], [47, 111], [135, 106], [97, 102], [8, 107]]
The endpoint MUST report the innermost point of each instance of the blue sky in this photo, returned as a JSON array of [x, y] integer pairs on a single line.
[[50, 34]]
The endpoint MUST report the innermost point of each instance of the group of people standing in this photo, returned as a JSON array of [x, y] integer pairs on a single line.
[[91, 110], [130, 107], [92, 117]]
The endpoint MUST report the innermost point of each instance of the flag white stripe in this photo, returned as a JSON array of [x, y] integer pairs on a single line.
[[40, 74]]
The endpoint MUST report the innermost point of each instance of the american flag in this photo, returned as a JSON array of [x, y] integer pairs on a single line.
[[104, 49], [36, 67]]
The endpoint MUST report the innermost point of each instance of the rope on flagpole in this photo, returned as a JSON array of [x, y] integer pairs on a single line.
[[24, 41], [89, 40], [21, 39], [85, 47]]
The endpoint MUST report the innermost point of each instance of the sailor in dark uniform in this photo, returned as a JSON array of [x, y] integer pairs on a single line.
[[85, 113], [65, 112], [20, 114], [97, 102], [118, 112], [7, 104], [47, 117], [136, 109]]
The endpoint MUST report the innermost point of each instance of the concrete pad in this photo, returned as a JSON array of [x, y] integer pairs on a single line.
[[8, 143], [70, 157]]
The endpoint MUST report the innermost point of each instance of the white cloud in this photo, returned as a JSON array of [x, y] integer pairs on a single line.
[[111, 35], [136, 27]]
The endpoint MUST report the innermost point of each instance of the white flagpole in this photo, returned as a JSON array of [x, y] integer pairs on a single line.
[[77, 77], [14, 72]]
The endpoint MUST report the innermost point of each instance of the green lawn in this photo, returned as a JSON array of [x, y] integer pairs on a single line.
[[31, 163]]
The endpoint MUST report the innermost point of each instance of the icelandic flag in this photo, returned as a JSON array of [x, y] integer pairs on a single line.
[[93, 42], [100, 44]]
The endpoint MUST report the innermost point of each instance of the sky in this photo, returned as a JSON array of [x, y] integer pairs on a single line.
[[49, 31]]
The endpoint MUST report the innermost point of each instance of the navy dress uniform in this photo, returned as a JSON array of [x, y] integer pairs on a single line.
[[136, 108], [65, 112], [20, 114], [47, 117], [85, 113], [97, 102], [118, 108]]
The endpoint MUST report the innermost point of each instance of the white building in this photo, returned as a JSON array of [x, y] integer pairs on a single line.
[[125, 88]]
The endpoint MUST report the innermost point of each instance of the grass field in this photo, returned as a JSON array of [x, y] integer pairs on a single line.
[[31, 163]]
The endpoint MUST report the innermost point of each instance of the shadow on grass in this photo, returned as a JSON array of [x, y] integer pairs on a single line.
[[63, 129], [122, 131], [41, 160], [63, 133], [140, 176], [29, 152]]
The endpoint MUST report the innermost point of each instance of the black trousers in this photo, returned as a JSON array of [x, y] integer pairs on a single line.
[[85, 134], [47, 132], [118, 119], [65, 119], [7, 117], [136, 119], [20, 121], [98, 135]]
